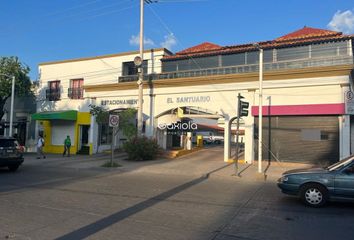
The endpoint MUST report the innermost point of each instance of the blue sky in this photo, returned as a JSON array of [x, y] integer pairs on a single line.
[[39, 31]]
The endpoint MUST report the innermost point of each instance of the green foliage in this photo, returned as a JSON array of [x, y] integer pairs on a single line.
[[141, 149], [11, 66], [101, 114], [126, 119], [127, 123]]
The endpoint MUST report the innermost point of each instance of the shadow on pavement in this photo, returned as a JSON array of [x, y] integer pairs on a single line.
[[97, 226]]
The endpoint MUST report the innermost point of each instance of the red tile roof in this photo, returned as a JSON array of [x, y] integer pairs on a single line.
[[308, 32], [303, 36], [204, 47]]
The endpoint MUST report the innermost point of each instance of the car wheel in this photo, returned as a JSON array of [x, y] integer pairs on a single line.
[[314, 195], [13, 168]]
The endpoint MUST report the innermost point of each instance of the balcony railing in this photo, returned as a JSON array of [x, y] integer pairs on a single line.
[[52, 94], [280, 65], [75, 93], [133, 78]]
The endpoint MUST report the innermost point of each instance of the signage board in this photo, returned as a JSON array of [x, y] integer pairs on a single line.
[[113, 120], [349, 102]]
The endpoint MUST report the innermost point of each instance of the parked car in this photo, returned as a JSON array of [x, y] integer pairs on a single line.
[[209, 137], [11, 153], [315, 186]]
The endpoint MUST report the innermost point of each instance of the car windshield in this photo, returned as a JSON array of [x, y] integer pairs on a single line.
[[341, 163]]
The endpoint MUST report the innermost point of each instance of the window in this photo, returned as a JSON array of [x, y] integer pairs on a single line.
[[252, 57], [293, 53], [105, 133], [233, 59], [169, 66], [183, 65], [53, 91], [129, 68], [331, 49], [205, 62], [76, 90]]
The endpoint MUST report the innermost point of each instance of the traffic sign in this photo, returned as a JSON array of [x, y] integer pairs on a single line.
[[113, 120], [349, 102]]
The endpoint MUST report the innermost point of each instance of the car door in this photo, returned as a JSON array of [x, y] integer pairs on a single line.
[[344, 182]]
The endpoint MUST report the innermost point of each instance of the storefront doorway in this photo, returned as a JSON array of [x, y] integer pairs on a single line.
[[84, 147]]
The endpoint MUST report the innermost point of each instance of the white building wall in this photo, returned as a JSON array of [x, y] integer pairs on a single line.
[[94, 71], [222, 98], [218, 98]]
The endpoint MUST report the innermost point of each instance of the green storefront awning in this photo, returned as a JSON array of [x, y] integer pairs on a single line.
[[57, 115]]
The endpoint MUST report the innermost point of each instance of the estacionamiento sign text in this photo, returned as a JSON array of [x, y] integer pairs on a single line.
[[119, 102]]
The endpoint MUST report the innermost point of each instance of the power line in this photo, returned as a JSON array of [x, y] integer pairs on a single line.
[[72, 8], [108, 13], [74, 17]]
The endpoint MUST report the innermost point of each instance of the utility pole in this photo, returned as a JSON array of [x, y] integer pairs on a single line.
[[141, 71], [12, 101], [12, 105], [260, 110], [260, 107], [141, 67]]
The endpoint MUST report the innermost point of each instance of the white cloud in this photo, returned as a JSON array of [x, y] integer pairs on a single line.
[[170, 41], [135, 41], [342, 22]]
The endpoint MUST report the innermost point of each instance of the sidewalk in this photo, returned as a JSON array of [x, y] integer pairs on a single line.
[[74, 161], [200, 164], [270, 171]]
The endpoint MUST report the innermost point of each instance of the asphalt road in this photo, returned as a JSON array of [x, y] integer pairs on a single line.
[[194, 197]]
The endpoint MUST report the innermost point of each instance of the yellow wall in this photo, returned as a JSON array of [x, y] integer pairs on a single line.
[[47, 135], [83, 118]]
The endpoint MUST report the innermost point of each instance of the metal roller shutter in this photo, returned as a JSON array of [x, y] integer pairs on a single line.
[[306, 139]]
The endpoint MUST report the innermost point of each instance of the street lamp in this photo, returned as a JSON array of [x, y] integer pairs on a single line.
[[260, 107], [12, 101]]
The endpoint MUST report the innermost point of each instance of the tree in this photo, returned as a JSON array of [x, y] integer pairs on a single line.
[[127, 122], [11, 66]]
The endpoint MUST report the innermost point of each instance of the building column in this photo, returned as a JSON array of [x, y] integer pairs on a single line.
[[227, 139], [150, 123], [344, 136], [91, 134], [189, 140], [249, 140]]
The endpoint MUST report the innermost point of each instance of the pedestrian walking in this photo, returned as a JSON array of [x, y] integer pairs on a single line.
[[67, 145], [40, 145]]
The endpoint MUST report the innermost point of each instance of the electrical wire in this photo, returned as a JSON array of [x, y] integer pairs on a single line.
[[74, 17], [72, 8]]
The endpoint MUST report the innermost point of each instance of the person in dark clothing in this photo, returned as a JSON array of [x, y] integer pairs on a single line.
[[67, 145]]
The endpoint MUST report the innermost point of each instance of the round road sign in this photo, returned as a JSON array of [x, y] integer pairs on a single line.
[[113, 120]]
